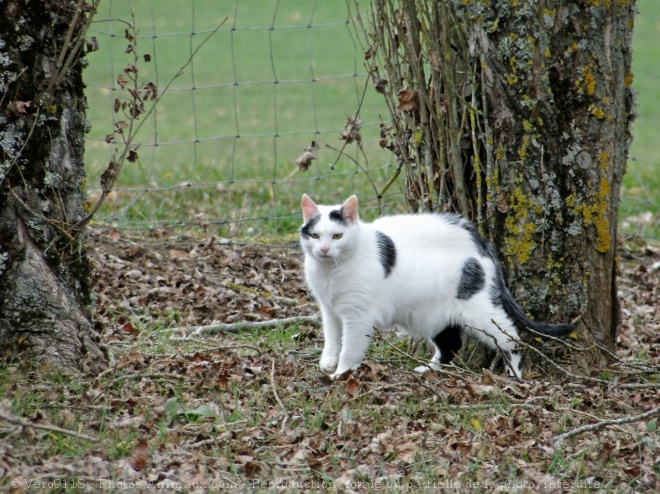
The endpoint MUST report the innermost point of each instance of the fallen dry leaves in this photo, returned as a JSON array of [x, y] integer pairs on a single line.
[[251, 411]]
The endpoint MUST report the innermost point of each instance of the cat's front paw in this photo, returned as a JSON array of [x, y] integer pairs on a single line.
[[328, 363], [343, 370], [339, 376]]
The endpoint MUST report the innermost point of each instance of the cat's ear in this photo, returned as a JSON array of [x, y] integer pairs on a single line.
[[349, 210], [309, 208]]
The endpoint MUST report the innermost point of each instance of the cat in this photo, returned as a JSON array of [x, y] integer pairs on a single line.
[[428, 275]]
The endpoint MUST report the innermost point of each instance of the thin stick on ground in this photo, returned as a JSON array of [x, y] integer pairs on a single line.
[[237, 327], [274, 388], [586, 414], [557, 440], [46, 427], [641, 366], [203, 350], [560, 368], [546, 358]]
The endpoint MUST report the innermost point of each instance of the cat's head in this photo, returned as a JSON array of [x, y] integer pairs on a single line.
[[327, 231]]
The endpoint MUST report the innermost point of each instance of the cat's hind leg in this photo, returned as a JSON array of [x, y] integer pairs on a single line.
[[498, 332], [447, 343], [505, 336], [512, 361]]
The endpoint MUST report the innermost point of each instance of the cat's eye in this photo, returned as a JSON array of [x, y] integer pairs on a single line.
[[315, 236], [337, 236]]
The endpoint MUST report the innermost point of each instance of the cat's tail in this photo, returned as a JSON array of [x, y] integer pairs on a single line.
[[524, 323]]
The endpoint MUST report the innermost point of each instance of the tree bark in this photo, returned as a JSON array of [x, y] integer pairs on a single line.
[[45, 295], [517, 115]]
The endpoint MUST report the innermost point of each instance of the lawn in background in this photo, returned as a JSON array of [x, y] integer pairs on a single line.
[[253, 79], [266, 85], [641, 185]]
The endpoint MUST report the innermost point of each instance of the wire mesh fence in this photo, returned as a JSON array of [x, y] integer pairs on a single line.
[[265, 82]]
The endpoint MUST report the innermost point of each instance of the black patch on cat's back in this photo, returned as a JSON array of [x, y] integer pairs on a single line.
[[473, 279], [387, 252], [309, 226]]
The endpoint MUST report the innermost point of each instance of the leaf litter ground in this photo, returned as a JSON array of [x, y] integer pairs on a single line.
[[246, 409]]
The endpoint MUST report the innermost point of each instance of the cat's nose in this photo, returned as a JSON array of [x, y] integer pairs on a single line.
[[325, 249]]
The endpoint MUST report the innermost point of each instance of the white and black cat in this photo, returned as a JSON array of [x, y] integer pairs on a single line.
[[429, 275]]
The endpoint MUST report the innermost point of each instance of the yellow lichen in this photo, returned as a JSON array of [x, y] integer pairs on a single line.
[[597, 213], [628, 80], [598, 113], [518, 243], [512, 63], [589, 82], [522, 152], [511, 79], [601, 221]]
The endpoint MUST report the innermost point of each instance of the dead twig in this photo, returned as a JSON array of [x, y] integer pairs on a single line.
[[133, 130], [237, 327], [45, 427], [274, 388], [643, 367], [561, 369], [557, 440], [590, 415], [639, 385], [558, 340], [377, 389], [203, 350], [156, 376]]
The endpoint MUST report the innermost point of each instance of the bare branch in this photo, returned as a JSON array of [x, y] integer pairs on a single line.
[[133, 131], [45, 427], [273, 388], [246, 325], [557, 440]]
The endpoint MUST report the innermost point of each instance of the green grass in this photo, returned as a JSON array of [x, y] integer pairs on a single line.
[[201, 173], [234, 73], [641, 185]]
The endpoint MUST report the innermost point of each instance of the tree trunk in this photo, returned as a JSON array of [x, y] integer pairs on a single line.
[[517, 114], [45, 297]]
